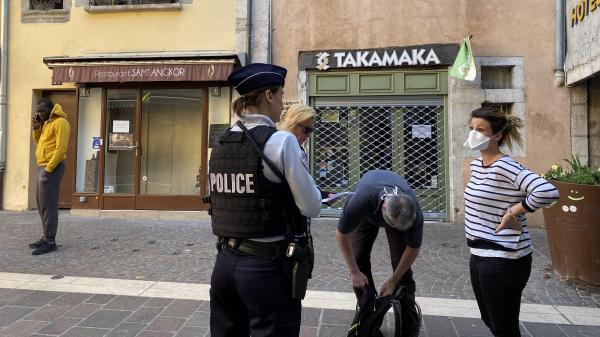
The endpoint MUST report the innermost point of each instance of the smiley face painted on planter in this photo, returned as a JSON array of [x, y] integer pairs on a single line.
[[573, 196], [576, 196]]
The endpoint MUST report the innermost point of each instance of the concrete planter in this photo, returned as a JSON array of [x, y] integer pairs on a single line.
[[573, 226]]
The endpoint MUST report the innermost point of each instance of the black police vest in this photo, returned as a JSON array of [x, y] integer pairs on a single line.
[[244, 204]]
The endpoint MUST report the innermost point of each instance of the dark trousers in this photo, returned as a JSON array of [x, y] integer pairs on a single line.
[[250, 295], [48, 188], [498, 284], [363, 239]]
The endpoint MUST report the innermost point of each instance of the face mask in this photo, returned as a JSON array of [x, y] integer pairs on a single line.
[[477, 141]]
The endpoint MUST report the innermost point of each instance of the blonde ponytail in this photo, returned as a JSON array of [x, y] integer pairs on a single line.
[[251, 99]]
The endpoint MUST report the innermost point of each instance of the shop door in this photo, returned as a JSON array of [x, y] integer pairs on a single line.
[[67, 100], [121, 150], [155, 149], [403, 135]]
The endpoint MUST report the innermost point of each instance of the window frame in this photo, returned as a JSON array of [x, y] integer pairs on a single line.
[[93, 7], [29, 15]]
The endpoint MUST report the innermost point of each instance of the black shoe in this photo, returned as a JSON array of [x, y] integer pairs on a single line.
[[36, 244], [46, 247]]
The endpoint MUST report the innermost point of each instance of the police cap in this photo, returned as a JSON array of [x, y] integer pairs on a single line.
[[256, 76]]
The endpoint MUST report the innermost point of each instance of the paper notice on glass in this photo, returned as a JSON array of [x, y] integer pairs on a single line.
[[421, 131], [336, 196], [121, 126]]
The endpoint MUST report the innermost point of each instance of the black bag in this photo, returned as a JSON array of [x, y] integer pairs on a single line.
[[371, 312], [365, 322]]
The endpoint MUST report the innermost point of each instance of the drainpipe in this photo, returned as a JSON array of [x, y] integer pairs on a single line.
[[249, 40], [270, 42], [3, 96], [559, 69]]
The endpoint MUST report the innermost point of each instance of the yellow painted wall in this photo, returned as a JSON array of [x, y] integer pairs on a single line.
[[200, 26]]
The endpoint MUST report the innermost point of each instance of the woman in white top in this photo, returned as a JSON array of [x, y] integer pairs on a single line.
[[299, 120], [499, 194]]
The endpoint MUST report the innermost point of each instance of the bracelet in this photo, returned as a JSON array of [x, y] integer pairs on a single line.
[[511, 212]]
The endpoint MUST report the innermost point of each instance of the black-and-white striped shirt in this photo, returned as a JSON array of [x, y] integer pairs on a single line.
[[490, 192]]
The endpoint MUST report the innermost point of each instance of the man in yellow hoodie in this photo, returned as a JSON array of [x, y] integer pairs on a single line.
[[51, 135]]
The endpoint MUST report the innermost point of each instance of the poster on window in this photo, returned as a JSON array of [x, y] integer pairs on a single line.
[[330, 116], [121, 126], [120, 141]]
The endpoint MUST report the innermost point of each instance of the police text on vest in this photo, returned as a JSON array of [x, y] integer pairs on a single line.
[[232, 182]]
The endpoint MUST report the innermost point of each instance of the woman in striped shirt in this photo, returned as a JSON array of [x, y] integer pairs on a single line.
[[497, 197]]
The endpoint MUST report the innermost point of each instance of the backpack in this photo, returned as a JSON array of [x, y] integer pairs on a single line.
[[371, 311]]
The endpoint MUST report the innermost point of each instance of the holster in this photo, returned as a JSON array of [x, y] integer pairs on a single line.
[[300, 266]]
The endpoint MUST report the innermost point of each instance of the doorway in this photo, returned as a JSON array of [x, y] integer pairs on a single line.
[[401, 134], [155, 148], [67, 100]]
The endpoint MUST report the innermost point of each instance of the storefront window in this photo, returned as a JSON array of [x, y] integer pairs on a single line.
[[170, 141], [88, 140]]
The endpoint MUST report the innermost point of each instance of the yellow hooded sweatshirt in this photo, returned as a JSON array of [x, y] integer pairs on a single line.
[[52, 139]]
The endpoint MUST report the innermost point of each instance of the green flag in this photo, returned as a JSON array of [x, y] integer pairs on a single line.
[[464, 65]]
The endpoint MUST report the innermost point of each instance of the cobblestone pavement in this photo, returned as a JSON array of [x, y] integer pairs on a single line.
[[184, 252], [44, 314]]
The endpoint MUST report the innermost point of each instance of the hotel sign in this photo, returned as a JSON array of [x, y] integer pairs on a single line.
[[582, 57], [412, 56], [583, 9]]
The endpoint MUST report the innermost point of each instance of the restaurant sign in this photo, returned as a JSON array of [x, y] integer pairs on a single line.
[[141, 72], [423, 55]]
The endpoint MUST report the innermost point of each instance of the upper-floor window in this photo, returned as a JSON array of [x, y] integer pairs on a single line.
[[45, 5], [130, 2], [45, 11], [496, 77]]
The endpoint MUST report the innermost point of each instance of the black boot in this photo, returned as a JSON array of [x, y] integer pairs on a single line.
[[36, 244], [46, 247]]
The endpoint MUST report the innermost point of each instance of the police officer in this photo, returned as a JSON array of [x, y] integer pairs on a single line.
[[251, 207], [382, 199]]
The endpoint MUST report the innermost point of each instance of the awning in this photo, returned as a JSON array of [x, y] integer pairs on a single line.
[[162, 67]]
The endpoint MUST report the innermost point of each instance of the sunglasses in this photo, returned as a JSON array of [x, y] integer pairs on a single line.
[[307, 130]]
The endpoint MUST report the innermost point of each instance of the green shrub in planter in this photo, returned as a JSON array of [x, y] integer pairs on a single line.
[[575, 174]]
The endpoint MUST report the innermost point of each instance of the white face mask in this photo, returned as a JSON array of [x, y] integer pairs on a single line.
[[477, 141]]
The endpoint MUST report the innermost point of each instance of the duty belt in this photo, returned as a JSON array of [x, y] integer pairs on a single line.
[[269, 250]]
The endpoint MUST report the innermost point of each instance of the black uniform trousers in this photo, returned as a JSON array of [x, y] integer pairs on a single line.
[[363, 238], [250, 295], [498, 284], [47, 193]]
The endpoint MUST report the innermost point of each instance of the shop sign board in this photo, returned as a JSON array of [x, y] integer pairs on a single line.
[[411, 56], [158, 72]]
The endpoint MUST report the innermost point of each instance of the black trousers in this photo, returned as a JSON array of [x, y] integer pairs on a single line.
[[498, 284], [363, 239], [250, 295], [47, 192]]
